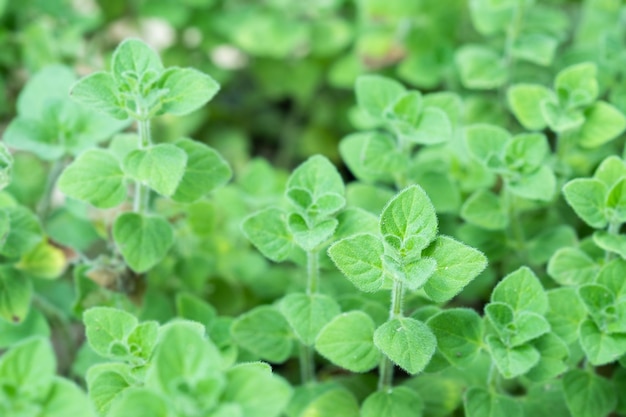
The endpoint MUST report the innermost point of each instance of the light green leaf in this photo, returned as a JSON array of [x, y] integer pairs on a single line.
[[600, 347], [408, 223], [49, 84], [105, 388], [572, 266], [524, 100], [484, 209], [603, 123], [140, 402], [544, 245], [566, 313], [192, 307], [99, 92], [528, 326], [610, 242], [409, 343], [6, 165], [522, 291], [406, 111], [142, 340], [160, 167], [537, 48], [318, 177], [310, 238], [560, 119], [587, 197], [486, 143], [480, 68], [24, 232], [553, 352], [106, 327], [576, 85], [307, 314], [526, 152], [268, 232], [257, 391], [610, 171], [501, 317], [43, 261], [616, 202], [457, 265], [264, 332], [612, 277], [134, 58], [66, 398], [587, 394], [371, 156], [16, 291], [433, 127], [359, 258], [28, 368], [143, 240], [395, 402], [328, 400], [94, 177], [512, 361], [187, 90], [348, 341], [205, 171], [375, 93], [415, 274], [479, 402], [539, 185], [459, 333]]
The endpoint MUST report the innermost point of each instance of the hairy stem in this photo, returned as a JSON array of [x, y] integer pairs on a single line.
[[307, 364], [386, 367], [312, 272], [142, 193]]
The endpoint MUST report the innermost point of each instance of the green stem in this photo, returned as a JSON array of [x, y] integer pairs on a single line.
[[312, 272], [142, 193], [614, 230], [516, 230], [513, 32], [57, 320], [386, 367], [307, 364], [43, 207]]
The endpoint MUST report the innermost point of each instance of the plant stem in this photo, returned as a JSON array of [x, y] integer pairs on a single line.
[[515, 226], [386, 367], [614, 230], [307, 364], [312, 272], [142, 193], [43, 207]]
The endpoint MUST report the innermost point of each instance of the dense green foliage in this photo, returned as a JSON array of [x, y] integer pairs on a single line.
[[338, 208]]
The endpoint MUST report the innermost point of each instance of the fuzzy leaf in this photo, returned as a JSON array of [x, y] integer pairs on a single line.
[[264, 332], [94, 177], [187, 90], [395, 402], [99, 91], [310, 239], [16, 291], [603, 123], [375, 93], [318, 177], [512, 361], [587, 197], [587, 394], [484, 209], [105, 326], [459, 334], [143, 240], [348, 341], [572, 266], [524, 100], [134, 57], [576, 85], [268, 232], [359, 258], [308, 314], [566, 313], [409, 343], [600, 347], [160, 167], [486, 143], [23, 234], [480, 68], [480, 402], [522, 291], [610, 242]]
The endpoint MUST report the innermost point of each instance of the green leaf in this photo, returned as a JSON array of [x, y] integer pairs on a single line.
[[318, 177], [15, 294], [553, 352], [49, 84], [94, 177], [375, 93], [526, 152], [307, 238], [140, 402], [610, 171], [143, 240], [501, 317], [616, 202], [66, 398], [6, 165], [540, 185], [409, 343], [264, 332], [160, 167], [323, 400], [268, 232], [459, 334], [512, 361], [307, 314], [524, 100], [405, 113], [105, 388], [480, 68], [576, 85], [28, 368], [192, 307], [561, 119], [43, 261], [587, 394], [432, 128], [522, 291], [486, 143], [133, 58], [537, 48], [408, 223], [566, 313], [610, 242], [142, 340], [603, 123], [24, 232], [600, 347], [457, 265], [348, 341], [106, 327], [371, 156], [99, 92], [612, 277], [484, 209], [587, 197], [359, 258], [479, 402], [395, 402], [205, 171], [187, 90], [572, 266], [257, 391], [528, 326]]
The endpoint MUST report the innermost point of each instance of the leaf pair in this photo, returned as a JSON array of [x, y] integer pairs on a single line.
[[571, 106], [408, 250], [140, 87]]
